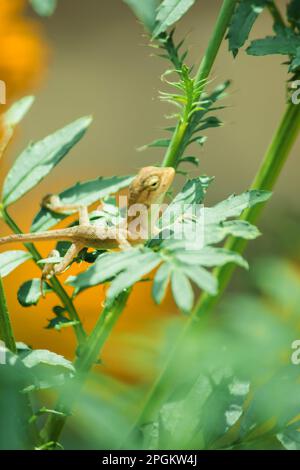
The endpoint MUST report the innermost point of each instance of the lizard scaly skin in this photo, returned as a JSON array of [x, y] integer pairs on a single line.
[[147, 188]]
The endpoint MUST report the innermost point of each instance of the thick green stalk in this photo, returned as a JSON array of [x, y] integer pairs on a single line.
[[265, 179], [7, 336], [174, 151], [275, 12], [55, 284], [88, 356]]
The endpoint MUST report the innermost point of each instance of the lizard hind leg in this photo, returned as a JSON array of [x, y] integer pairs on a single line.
[[48, 270], [54, 269]]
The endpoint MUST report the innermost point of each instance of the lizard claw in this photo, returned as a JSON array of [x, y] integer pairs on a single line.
[[48, 270], [51, 202]]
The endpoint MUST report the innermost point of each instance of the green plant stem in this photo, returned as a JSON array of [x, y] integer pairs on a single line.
[[7, 335], [174, 151], [6, 331], [55, 284], [88, 356], [265, 179], [275, 12]]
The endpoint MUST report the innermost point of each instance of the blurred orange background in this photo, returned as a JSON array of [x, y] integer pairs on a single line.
[[91, 57]]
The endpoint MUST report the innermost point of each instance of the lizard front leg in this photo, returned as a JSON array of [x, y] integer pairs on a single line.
[[54, 269]]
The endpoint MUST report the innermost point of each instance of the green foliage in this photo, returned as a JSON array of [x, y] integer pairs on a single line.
[[220, 401], [30, 292], [181, 261], [129, 267], [187, 100], [290, 437], [10, 260], [182, 290], [170, 50], [286, 42], [235, 205], [39, 158], [170, 12], [194, 113], [242, 22], [244, 393], [44, 7], [158, 16], [46, 358], [81, 193], [17, 111], [60, 322], [145, 11], [293, 13], [161, 282], [192, 193]]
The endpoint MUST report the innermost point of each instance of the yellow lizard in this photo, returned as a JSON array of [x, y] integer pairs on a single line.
[[148, 188]]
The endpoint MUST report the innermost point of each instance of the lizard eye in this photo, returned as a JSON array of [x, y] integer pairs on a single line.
[[153, 182]]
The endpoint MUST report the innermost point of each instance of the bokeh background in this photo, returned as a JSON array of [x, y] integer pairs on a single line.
[[91, 57]]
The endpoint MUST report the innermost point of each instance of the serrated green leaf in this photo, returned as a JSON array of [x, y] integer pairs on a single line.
[[169, 12], [105, 268], [47, 358], [44, 7], [234, 205], [284, 44], [192, 193], [40, 158], [136, 269], [145, 11], [202, 278], [81, 193], [123, 269], [30, 292], [161, 281], [10, 260], [216, 232], [182, 291], [210, 257], [242, 22]]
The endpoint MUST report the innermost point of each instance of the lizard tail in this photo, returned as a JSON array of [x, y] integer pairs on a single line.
[[36, 237]]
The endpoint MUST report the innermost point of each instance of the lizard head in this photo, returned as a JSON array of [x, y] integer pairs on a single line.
[[150, 184]]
